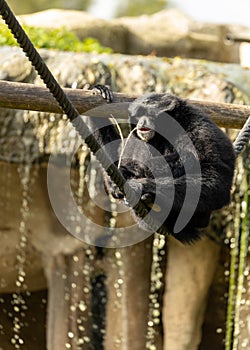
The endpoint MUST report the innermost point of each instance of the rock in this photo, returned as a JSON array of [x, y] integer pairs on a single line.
[[171, 33], [177, 34], [46, 237], [185, 304], [14, 65], [81, 23]]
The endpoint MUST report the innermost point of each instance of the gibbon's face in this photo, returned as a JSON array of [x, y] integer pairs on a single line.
[[149, 114], [147, 123], [143, 121], [145, 128]]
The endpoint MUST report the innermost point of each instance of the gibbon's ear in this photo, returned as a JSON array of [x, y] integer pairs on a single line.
[[170, 103]]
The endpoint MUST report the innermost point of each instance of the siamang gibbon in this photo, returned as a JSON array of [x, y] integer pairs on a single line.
[[176, 160]]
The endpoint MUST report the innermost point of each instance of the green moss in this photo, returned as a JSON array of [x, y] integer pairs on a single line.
[[59, 39]]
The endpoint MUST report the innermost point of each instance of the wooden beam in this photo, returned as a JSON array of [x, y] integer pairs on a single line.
[[31, 97], [38, 98]]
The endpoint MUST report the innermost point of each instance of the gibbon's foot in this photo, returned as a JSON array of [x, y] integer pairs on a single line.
[[104, 91]]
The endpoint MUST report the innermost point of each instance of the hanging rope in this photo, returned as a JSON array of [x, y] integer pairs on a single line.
[[69, 109], [243, 137]]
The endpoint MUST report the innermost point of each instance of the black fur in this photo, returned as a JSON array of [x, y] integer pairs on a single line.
[[154, 181]]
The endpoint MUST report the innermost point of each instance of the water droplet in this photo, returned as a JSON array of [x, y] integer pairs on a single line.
[[118, 255], [119, 294], [66, 297], [71, 335], [82, 306], [156, 321], [152, 347], [86, 339], [156, 313]]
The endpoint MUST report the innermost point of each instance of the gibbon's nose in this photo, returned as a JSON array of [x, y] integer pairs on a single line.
[[145, 123]]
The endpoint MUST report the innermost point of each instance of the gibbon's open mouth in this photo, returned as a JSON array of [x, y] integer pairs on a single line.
[[145, 134], [144, 129]]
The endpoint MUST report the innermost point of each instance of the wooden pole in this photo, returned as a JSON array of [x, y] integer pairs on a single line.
[[30, 97]]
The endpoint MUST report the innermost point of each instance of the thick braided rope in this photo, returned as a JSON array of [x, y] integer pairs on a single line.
[[69, 109], [243, 137]]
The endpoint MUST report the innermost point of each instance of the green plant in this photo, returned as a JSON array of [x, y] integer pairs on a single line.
[[60, 39]]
